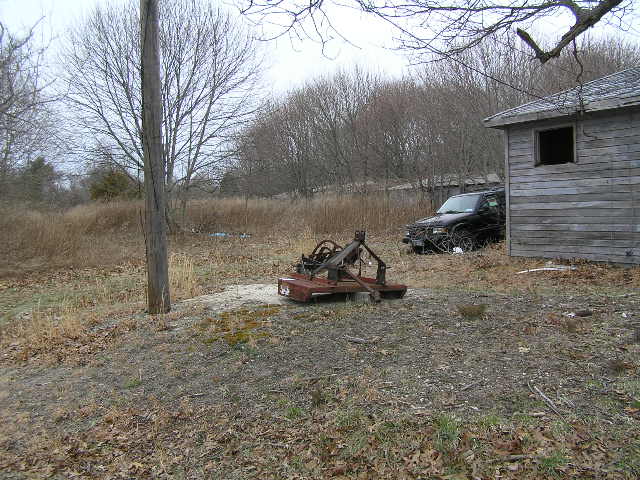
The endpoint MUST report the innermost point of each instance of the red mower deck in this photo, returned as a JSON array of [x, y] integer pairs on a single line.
[[299, 287], [337, 261]]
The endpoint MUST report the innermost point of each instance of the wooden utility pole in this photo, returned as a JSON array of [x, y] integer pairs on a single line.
[[158, 298]]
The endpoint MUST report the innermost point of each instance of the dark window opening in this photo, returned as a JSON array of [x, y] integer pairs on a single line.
[[556, 146]]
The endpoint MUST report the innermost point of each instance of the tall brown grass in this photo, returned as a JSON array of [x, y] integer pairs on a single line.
[[320, 215], [107, 233], [183, 278], [85, 235]]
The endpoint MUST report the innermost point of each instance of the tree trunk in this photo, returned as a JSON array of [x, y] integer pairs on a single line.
[[158, 297]]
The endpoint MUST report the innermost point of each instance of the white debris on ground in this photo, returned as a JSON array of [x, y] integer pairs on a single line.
[[236, 296], [555, 268]]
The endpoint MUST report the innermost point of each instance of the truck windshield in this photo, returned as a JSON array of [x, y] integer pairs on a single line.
[[461, 204]]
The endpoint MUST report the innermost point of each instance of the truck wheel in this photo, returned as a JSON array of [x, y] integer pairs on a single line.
[[464, 239], [417, 250]]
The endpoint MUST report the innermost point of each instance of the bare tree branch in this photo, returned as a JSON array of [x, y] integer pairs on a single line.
[[585, 19], [26, 119], [442, 27]]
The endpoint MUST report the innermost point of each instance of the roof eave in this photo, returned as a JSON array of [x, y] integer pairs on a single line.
[[500, 122]]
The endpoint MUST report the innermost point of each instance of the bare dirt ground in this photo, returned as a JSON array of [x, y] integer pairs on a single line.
[[487, 374]]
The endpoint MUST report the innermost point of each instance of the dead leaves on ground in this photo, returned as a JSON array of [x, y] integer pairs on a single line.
[[219, 442]]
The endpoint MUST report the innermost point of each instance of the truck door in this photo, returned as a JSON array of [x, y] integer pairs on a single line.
[[490, 216]]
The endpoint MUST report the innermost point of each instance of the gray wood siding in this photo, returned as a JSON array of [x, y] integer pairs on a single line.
[[588, 209]]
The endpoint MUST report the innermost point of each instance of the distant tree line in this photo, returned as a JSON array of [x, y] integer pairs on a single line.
[[354, 128], [38, 183], [344, 133]]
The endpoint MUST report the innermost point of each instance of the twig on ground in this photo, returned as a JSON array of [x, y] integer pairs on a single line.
[[467, 387], [319, 377], [109, 333], [356, 340], [279, 445], [546, 399], [221, 354], [512, 458], [552, 406]]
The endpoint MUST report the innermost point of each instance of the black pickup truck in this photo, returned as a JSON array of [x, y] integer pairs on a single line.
[[463, 223]]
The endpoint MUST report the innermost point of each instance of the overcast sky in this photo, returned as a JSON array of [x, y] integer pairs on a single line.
[[291, 65]]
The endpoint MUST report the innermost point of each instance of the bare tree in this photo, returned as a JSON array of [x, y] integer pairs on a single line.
[[25, 117], [309, 139], [209, 66], [335, 104], [445, 27]]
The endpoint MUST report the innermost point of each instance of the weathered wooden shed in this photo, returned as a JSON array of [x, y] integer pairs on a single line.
[[573, 172]]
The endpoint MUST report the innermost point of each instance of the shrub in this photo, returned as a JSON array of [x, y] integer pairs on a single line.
[[114, 184], [472, 312]]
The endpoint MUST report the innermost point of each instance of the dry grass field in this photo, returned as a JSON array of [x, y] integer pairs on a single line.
[[478, 373]]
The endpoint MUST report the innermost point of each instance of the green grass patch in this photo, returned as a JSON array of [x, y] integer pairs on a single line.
[[293, 412], [550, 464], [133, 383], [447, 432]]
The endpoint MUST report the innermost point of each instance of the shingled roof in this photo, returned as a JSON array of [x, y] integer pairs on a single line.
[[618, 90]]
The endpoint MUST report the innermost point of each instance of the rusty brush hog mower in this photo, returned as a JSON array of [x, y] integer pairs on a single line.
[[306, 283]]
